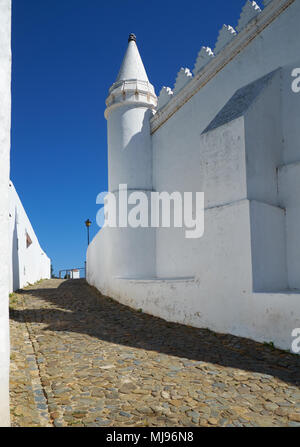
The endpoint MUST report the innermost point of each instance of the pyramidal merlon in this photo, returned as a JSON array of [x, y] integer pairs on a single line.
[[226, 34], [249, 12], [183, 77], [205, 55], [165, 95]]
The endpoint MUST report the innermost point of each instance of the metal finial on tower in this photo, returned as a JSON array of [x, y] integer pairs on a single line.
[[132, 37]]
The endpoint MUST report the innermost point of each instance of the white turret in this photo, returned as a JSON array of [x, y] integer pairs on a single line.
[[130, 105], [129, 108]]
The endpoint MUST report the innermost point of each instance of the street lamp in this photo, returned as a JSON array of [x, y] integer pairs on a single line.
[[88, 223]]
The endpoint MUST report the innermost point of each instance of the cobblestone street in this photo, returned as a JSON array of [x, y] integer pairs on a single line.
[[81, 359]]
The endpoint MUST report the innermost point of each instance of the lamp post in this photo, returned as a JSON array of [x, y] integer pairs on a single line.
[[88, 224]]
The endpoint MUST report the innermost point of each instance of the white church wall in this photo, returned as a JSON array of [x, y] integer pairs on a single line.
[[290, 113], [5, 110], [221, 164], [264, 317], [264, 141], [226, 151], [178, 144], [99, 261], [268, 240], [264, 154], [213, 281], [223, 251], [229, 307], [220, 160], [274, 47], [289, 190], [289, 172], [190, 300], [273, 317], [29, 263]]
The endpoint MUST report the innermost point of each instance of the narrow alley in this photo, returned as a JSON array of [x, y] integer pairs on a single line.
[[81, 359]]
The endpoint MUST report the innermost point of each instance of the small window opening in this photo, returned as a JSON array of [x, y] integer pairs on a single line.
[[28, 240]]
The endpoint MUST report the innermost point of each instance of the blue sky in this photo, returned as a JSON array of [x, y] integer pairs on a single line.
[[66, 54]]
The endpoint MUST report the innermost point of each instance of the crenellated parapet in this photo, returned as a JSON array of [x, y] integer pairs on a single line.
[[226, 34], [205, 55], [229, 43], [165, 95], [249, 12], [183, 77]]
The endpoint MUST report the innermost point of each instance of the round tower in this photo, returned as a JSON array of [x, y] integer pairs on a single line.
[[130, 105], [129, 108]]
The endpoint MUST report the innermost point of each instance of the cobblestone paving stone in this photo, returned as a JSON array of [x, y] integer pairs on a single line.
[[82, 359]]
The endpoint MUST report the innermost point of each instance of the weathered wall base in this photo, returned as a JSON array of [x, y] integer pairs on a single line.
[[212, 298]]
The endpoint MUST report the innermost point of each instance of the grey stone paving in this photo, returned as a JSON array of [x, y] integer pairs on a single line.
[[81, 359]]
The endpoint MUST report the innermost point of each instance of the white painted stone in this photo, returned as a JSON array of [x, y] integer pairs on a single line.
[[5, 110], [183, 77], [249, 12], [205, 55], [290, 112], [226, 34], [29, 263], [129, 108], [289, 187], [165, 95], [269, 268], [233, 133], [132, 66]]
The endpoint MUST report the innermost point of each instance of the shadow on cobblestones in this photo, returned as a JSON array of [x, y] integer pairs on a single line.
[[79, 308]]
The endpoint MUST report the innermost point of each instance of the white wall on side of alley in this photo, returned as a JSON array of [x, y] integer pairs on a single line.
[[5, 121], [28, 263]]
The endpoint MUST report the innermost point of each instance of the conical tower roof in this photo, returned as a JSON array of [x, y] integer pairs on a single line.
[[132, 86], [132, 66]]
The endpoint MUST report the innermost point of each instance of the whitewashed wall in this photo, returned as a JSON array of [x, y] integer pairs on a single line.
[[234, 279], [289, 175], [186, 161], [5, 106], [177, 146], [28, 264]]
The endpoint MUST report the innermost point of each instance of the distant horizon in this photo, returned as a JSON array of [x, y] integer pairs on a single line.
[[66, 55]]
